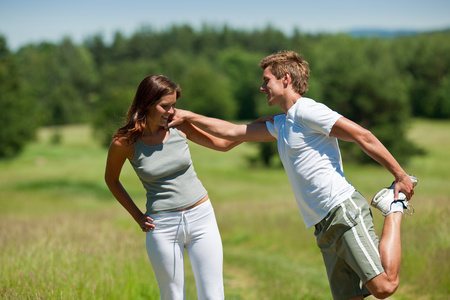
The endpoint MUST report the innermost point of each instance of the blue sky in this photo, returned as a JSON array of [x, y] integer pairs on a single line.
[[24, 21]]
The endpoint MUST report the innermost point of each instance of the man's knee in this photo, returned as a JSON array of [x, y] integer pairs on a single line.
[[382, 287]]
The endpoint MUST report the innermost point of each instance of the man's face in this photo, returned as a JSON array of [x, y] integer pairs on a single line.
[[272, 87]]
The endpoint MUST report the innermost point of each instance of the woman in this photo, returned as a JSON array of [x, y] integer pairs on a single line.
[[179, 214]]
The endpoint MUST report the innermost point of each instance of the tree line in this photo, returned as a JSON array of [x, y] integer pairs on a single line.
[[379, 83]]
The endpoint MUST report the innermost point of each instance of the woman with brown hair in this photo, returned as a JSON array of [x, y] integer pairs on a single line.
[[179, 214]]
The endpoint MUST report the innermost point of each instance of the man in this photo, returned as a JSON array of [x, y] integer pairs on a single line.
[[357, 263]]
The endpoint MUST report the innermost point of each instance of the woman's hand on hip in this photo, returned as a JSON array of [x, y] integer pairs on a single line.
[[146, 223]]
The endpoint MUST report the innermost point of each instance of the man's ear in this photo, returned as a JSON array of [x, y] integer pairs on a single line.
[[286, 79]]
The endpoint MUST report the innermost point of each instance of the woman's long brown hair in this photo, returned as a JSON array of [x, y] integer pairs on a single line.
[[150, 90]]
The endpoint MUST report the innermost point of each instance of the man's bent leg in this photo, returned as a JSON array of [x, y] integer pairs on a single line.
[[386, 283], [349, 247]]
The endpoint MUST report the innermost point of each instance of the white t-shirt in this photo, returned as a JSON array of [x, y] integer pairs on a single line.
[[311, 158]]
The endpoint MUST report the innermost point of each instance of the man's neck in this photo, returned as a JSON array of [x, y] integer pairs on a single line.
[[290, 101]]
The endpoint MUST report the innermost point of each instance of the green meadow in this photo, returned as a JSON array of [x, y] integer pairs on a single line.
[[63, 235]]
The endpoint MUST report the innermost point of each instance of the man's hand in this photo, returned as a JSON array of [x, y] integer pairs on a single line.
[[405, 185], [178, 117]]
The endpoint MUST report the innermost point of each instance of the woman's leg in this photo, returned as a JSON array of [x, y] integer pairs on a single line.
[[165, 249], [204, 248]]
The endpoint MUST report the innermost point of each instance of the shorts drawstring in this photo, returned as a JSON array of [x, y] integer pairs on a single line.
[[184, 223]]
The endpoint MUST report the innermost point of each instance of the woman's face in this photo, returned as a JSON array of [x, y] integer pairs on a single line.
[[160, 112]]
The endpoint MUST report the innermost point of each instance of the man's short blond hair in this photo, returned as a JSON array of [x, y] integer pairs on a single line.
[[292, 62]]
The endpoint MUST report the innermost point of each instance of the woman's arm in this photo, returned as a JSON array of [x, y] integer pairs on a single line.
[[118, 152]]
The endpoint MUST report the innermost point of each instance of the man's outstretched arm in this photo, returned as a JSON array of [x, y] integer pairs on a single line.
[[346, 130], [255, 132]]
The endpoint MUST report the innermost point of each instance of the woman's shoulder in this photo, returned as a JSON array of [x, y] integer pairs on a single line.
[[181, 129], [121, 142], [123, 146]]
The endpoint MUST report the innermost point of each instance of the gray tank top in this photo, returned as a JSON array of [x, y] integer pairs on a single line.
[[167, 174]]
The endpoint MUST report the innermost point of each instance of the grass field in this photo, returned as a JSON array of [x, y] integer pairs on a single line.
[[63, 236]]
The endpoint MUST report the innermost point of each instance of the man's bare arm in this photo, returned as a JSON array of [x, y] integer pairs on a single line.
[[346, 130], [255, 132]]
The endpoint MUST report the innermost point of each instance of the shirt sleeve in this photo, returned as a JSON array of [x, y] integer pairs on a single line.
[[320, 118], [275, 126]]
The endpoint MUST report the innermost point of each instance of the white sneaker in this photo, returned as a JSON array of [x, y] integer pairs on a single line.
[[384, 198]]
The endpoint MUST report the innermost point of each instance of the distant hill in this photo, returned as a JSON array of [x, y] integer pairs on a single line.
[[382, 33]]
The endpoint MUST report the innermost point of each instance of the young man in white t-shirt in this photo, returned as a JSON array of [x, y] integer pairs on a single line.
[[307, 133]]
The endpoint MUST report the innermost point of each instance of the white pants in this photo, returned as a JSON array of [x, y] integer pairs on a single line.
[[196, 230]]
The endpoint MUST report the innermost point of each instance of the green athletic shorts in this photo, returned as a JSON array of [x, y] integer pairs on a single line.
[[349, 247]]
